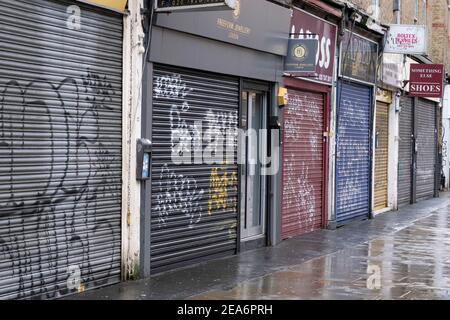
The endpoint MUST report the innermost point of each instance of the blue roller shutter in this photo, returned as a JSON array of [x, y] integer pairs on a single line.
[[353, 153]]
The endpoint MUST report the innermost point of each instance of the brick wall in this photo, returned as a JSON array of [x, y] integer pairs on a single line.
[[433, 13], [439, 45]]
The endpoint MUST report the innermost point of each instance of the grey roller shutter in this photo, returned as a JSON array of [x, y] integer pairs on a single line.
[[426, 148], [60, 149], [353, 173], [405, 159], [194, 206]]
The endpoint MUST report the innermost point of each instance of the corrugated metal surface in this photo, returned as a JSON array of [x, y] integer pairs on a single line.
[[353, 153], [381, 156], [426, 148], [60, 149], [405, 158], [303, 174], [194, 206]]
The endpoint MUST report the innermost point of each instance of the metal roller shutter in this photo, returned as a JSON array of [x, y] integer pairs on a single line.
[[405, 151], [303, 174], [194, 206], [353, 153], [381, 157], [426, 148], [60, 149]]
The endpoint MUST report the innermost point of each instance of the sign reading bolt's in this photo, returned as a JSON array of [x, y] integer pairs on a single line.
[[426, 80]]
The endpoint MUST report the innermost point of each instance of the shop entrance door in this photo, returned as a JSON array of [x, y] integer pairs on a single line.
[[253, 190]]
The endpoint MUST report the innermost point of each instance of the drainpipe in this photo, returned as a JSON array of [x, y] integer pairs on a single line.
[[397, 10]]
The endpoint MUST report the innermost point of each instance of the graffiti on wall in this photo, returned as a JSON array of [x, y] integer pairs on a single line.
[[197, 137], [59, 181], [178, 193], [221, 184], [302, 129], [302, 195]]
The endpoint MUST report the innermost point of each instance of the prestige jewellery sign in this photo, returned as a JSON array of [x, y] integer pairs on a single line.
[[248, 25], [301, 57]]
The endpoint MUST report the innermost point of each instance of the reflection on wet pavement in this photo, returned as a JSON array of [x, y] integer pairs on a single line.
[[412, 263]]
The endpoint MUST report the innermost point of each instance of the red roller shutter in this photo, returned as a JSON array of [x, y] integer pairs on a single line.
[[303, 169]]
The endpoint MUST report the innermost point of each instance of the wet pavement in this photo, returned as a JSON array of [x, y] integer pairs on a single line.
[[398, 255]]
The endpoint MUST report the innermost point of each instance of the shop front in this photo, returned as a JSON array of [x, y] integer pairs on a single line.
[[211, 83], [60, 148], [355, 107], [381, 171], [419, 169], [304, 138]]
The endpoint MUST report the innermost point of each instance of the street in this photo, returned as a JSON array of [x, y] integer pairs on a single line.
[[398, 255]]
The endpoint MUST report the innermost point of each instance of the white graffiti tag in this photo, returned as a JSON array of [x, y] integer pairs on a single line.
[[170, 86], [302, 193], [178, 193]]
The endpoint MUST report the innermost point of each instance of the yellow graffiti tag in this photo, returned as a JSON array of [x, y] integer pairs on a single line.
[[219, 185]]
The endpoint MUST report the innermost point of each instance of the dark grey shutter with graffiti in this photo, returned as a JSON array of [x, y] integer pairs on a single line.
[[194, 204], [60, 148]]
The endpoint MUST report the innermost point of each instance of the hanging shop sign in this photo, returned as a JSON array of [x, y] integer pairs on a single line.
[[406, 39], [391, 70], [358, 58], [301, 57], [307, 26], [248, 25], [426, 80], [179, 5], [116, 5]]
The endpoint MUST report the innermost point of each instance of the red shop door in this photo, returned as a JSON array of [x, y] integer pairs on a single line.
[[303, 164]]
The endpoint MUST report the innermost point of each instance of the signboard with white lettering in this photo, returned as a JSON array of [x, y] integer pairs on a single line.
[[426, 80], [177, 5], [255, 24], [301, 57], [406, 39], [391, 72], [307, 26]]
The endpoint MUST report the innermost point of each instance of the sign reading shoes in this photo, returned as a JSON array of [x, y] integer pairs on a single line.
[[177, 5], [426, 80]]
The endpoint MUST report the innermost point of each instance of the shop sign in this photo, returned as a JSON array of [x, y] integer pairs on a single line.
[[307, 26], [406, 39], [301, 57], [358, 57], [426, 80]]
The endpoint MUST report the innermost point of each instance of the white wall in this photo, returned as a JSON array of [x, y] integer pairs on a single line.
[[131, 130], [446, 133], [394, 135]]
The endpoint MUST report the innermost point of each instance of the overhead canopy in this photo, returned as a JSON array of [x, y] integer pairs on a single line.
[[116, 5]]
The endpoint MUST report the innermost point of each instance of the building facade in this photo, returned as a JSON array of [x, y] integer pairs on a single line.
[[134, 142]]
